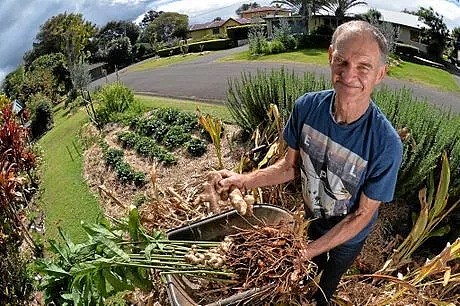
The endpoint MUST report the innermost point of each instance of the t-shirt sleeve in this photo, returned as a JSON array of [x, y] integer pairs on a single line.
[[292, 129], [381, 182]]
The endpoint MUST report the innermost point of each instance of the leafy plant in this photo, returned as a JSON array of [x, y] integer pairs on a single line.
[[125, 173], [434, 209], [196, 147], [175, 137], [214, 127], [114, 101], [41, 114], [109, 262]]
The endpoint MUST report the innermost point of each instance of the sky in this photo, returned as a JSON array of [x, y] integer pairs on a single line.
[[20, 20]]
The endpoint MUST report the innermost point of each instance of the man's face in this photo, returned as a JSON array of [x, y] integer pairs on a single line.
[[356, 66]]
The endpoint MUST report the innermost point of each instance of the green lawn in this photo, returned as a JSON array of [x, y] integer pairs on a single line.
[[65, 198], [217, 110], [308, 56], [162, 61], [425, 75]]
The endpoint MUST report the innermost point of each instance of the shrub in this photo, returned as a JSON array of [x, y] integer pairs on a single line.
[[275, 46], [257, 41], [127, 139], [250, 96], [283, 34], [431, 132], [41, 111], [175, 137], [116, 103], [125, 173], [196, 147], [210, 45]]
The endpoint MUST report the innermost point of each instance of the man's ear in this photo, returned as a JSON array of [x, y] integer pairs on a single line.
[[381, 74], [329, 52]]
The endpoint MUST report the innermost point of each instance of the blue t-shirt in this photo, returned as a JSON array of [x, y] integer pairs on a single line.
[[338, 162]]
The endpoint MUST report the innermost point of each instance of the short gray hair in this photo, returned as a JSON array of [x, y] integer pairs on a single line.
[[359, 26]]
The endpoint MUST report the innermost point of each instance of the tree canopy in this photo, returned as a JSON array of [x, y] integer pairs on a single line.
[[150, 16], [115, 29], [168, 26], [68, 34], [245, 7], [437, 34]]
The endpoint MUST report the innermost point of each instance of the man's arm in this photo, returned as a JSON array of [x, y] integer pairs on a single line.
[[282, 171], [346, 229]]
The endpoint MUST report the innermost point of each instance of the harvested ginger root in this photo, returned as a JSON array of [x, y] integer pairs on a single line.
[[216, 197]]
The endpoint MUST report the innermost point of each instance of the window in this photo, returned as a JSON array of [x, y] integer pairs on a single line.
[[215, 31], [414, 35]]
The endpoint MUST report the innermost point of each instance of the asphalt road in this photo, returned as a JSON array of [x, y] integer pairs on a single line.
[[207, 79]]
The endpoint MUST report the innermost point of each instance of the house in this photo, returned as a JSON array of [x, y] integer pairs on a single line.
[[409, 26], [260, 12], [215, 27]]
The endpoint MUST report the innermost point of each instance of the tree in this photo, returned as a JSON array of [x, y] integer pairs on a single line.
[[340, 7], [245, 7], [456, 34], [170, 25], [119, 51], [13, 83], [371, 16], [64, 33], [56, 64], [150, 16], [115, 29], [436, 35]]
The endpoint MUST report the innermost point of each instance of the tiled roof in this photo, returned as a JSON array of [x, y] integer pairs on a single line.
[[266, 8], [216, 24]]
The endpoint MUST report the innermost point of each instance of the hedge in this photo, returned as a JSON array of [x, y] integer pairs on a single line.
[[210, 45]]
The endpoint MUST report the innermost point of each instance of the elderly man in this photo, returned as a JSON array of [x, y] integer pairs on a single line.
[[346, 151]]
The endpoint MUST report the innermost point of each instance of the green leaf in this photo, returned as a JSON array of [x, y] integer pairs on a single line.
[[118, 283], [54, 270], [98, 230], [67, 240], [439, 232], [113, 248], [57, 249], [133, 223], [148, 250]]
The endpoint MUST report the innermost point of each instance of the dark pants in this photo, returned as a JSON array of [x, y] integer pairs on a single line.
[[333, 264]]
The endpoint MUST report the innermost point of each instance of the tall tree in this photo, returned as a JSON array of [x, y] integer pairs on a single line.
[[115, 29], [64, 33], [340, 7], [149, 17], [304, 8], [245, 7], [170, 25], [371, 16], [436, 35]]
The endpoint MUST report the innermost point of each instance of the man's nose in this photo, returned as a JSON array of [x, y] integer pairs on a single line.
[[348, 73]]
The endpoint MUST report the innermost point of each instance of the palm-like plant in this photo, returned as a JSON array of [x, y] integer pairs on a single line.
[[304, 8], [340, 7]]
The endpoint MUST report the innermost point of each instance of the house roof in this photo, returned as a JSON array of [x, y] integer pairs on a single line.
[[400, 18], [217, 24], [266, 8]]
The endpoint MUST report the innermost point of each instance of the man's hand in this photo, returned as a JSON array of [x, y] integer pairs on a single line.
[[231, 180]]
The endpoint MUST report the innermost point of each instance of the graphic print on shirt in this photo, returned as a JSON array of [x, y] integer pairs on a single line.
[[330, 174]]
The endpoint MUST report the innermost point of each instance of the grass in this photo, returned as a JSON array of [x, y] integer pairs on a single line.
[[216, 110], [307, 56], [66, 198], [425, 75], [162, 62]]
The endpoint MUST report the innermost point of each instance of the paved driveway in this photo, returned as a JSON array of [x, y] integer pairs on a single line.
[[207, 79]]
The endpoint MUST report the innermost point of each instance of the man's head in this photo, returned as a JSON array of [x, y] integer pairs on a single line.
[[357, 56]]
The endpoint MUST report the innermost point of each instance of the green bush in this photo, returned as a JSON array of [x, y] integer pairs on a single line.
[[116, 102], [275, 46], [41, 111], [258, 43], [249, 97], [196, 147], [127, 139], [125, 173], [431, 132], [210, 45], [176, 137]]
